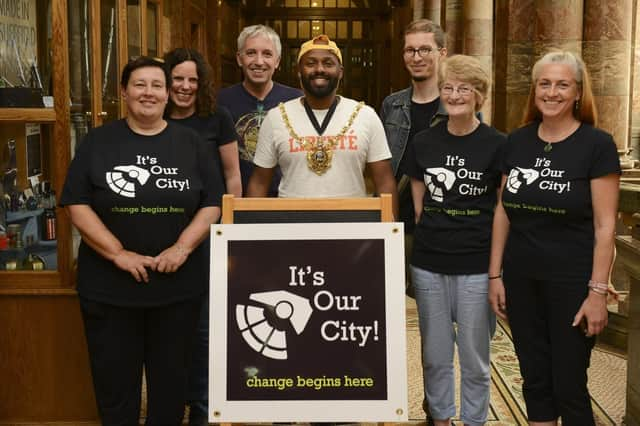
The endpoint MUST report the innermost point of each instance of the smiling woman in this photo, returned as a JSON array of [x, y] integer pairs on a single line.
[[454, 184], [561, 178], [144, 90], [143, 193], [192, 104]]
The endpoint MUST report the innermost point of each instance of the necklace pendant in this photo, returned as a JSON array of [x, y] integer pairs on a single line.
[[548, 147], [319, 158]]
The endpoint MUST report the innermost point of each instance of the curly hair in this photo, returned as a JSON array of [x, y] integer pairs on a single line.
[[205, 95]]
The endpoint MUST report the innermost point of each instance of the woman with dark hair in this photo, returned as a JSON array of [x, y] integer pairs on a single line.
[[192, 104], [553, 239], [143, 193]]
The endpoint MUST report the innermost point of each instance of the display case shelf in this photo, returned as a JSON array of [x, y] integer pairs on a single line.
[[30, 115]]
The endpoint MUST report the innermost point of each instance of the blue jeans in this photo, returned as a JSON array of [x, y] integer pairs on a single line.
[[443, 300]]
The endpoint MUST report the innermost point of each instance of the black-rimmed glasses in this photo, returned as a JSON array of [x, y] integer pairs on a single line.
[[423, 51]]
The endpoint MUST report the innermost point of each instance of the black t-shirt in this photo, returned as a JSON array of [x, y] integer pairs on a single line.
[[248, 112], [146, 190], [547, 198], [216, 129], [421, 115], [462, 175]]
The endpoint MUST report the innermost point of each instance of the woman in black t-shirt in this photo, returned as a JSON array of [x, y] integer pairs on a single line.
[[192, 103], [143, 194], [454, 180], [553, 237]]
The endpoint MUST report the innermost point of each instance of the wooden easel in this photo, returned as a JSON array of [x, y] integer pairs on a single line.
[[370, 206]]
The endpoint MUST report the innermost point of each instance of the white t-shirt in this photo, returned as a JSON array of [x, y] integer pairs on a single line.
[[364, 142]]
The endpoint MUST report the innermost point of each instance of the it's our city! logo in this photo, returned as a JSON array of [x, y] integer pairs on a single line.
[[518, 176], [440, 180], [125, 180], [263, 337], [546, 177], [263, 324]]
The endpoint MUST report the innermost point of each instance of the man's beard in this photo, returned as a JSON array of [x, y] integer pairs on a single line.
[[319, 92]]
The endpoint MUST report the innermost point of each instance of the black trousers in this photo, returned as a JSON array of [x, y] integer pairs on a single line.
[[121, 341], [553, 355]]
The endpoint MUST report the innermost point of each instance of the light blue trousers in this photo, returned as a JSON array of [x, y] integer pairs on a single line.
[[444, 300]]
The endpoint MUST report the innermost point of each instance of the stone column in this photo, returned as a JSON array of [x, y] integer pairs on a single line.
[[454, 26], [514, 31], [418, 9], [558, 26], [532, 28], [478, 40], [635, 103], [607, 52], [433, 11]]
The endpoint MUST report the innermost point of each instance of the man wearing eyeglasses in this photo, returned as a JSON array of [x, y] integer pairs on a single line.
[[408, 111], [411, 110]]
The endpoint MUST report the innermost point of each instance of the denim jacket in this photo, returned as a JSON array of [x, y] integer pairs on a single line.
[[396, 118]]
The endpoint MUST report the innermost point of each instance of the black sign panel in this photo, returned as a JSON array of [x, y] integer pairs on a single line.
[[306, 320]]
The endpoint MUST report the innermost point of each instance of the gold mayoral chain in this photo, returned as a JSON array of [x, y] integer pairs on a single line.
[[320, 153]]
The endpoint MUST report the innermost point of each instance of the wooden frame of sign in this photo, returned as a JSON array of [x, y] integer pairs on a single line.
[[279, 210], [264, 219]]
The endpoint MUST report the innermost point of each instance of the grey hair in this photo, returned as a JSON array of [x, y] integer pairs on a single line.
[[259, 30], [560, 57]]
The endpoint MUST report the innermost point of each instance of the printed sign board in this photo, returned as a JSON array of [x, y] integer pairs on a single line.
[[18, 40], [307, 323]]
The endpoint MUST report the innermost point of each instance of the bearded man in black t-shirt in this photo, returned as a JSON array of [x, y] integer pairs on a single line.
[[408, 111]]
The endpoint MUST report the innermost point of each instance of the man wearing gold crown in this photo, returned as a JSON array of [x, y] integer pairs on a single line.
[[321, 141]]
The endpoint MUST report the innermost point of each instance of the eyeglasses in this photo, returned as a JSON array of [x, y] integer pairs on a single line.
[[423, 51], [462, 90]]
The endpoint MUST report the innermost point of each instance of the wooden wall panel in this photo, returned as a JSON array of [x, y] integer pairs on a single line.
[[44, 363]]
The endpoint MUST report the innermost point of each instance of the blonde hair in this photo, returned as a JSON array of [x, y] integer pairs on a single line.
[[468, 69], [585, 110], [426, 26]]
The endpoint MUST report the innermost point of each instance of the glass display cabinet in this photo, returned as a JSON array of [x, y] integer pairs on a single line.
[[59, 77]]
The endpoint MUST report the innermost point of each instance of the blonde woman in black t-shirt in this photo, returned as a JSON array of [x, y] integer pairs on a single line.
[[454, 181], [143, 193], [553, 239]]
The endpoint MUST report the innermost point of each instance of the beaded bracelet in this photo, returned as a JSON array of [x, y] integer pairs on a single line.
[[600, 286], [598, 291], [495, 277]]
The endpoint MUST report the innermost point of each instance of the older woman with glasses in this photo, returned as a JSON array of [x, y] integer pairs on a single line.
[[553, 239], [454, 182]]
